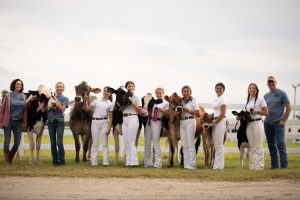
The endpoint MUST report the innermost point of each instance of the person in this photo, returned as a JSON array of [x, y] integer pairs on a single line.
[[279, 112], [257, 108], [130, 125], [13, 116], [188, 127], [153, 129], [101, 124], [56, 125], [219, 126]]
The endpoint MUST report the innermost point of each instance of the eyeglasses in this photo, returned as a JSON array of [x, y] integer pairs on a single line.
[[270, 81]]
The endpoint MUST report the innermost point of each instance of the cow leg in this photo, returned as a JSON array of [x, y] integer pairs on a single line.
[[117, 145], [171, 153], [38, 146], [86, 146], [90, 150], [197, 144], [137, 137], [77, 146], [182, 159], [31, 146]]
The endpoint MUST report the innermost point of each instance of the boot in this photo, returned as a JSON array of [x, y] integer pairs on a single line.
[[10, 157], [6, 157]]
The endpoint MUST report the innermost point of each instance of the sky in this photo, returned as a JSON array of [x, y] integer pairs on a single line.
[[154, 43]]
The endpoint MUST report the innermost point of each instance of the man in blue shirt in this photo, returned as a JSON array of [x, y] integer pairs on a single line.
[[279, 112]]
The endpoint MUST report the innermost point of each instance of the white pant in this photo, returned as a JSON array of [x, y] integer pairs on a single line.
[[218, 137], [155, 130], [148, 137], [187, 133], [99, 128], [129, 128], [255, 131]]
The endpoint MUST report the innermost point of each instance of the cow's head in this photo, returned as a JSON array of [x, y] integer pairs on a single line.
[[174, 102], [42, 96], [82, 90], [122, 95]]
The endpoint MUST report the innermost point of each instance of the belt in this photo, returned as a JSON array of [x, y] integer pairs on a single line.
[[128, 114], [15, 119], [252, 120], [102, 118], [158, 119], [189, 117]]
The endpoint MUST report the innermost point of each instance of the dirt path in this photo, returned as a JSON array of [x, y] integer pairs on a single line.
[[120, 188]]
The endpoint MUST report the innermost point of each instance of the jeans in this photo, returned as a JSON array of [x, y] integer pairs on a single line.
[[16, 128], [276, 142], [56, 133]]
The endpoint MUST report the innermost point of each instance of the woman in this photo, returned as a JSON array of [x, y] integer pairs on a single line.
[[13, 116], [56, 125], [255, 129], [130, 125], [219, 126], [153, 128], [101, 124], [188, 127]]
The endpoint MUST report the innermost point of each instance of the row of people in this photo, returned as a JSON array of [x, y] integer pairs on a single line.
[[275, 106]]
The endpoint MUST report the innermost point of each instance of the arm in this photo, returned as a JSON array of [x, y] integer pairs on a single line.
[[221, 116], [61, 107], [286, 114], [87, 106], [195, 113], [110, 118]]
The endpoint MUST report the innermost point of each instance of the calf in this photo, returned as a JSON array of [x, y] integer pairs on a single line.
[[243, 117]]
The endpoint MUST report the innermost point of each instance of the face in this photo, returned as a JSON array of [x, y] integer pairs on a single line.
[[159, 94], [219, 90], [18, 86], [252, 90], [130, 87], [59, 87], [106, 93], [271, 84], [186, 93]]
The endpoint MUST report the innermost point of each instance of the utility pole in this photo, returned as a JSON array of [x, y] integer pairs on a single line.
[[295, 94]]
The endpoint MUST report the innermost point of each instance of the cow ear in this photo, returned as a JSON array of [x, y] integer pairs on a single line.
[[201, 110], [167, 98], [96, 90]]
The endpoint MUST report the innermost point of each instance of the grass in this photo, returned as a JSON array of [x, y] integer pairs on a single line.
[[231, 172]]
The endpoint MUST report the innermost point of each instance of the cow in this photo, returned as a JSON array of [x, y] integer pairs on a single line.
[[208, 143], [37, 116], [80, 119], [242, 139], [173, 115]]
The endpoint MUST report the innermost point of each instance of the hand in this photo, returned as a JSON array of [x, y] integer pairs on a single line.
[[212, 124], [107, 132], [281, 123], [238, 118], [86, 98]]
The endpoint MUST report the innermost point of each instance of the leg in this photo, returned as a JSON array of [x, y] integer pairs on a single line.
[[104, 137], [95, 128], [280, 140], [52, 133], [17, 131], [218, 138], [147, 155], [77, 146], [31, 146], [7, 136], [155, 131], [38, 146], [271, 139], [133, 125], [117, 145]]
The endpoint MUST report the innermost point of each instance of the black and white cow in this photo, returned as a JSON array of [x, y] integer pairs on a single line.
[[36, 118]]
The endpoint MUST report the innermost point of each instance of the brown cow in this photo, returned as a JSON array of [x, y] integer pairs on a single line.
[[208, 142], [173, 114], [80, 120]]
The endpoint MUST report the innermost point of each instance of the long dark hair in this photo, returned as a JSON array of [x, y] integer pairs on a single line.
[[110, 97], [256, 96], [13, 85]]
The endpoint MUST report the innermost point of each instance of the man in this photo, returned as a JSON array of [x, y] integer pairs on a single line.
[[279, 112]]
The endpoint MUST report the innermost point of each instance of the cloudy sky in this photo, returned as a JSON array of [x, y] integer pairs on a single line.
[[154, 43]]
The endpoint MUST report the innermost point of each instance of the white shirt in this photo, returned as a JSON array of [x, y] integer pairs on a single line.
[[217, 105], [102, 108], [164, 105], [192, 105], [259, 104], [130, 109]]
